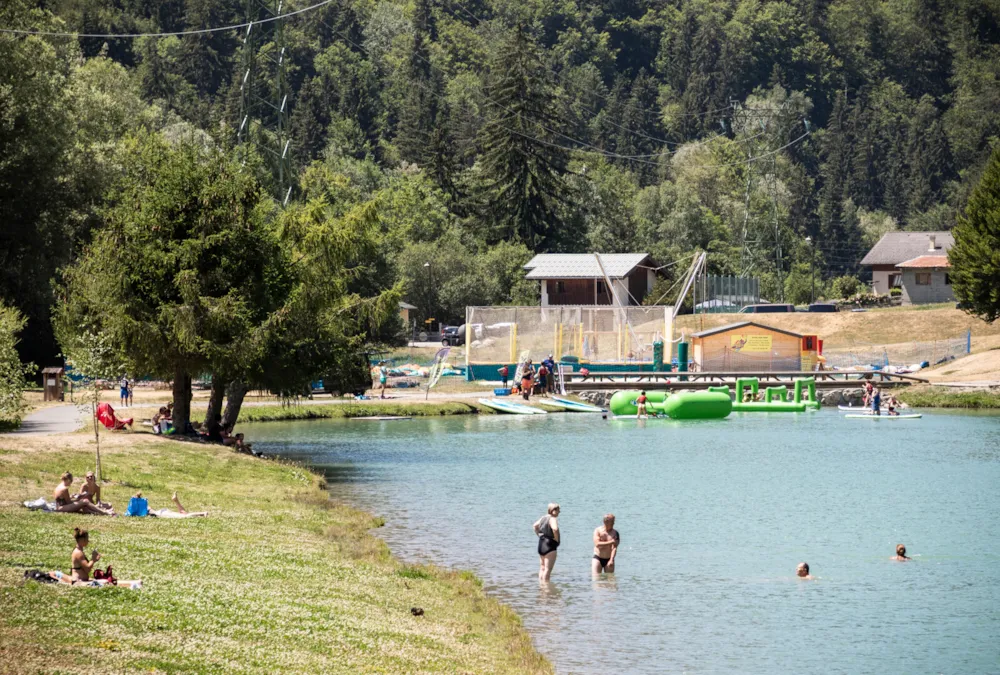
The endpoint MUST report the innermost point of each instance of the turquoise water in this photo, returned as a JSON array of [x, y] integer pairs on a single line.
[[714, 516]]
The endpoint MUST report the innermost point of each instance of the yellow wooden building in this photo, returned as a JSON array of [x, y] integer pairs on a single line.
[[752, 347]]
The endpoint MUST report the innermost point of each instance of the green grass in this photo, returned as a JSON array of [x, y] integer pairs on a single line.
[[277, 579], [945, 397]]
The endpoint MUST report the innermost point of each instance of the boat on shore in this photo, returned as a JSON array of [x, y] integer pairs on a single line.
[[569, 405]]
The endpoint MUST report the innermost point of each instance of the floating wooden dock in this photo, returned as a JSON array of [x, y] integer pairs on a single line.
[[670, 380]]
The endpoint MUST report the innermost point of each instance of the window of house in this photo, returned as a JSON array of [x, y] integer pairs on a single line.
[[600, 287], [947, 279], [895, 280], [923, 278], [560, 287]]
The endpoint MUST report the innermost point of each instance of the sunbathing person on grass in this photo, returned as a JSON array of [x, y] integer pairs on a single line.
[[91, 491], [83, 567], [138, 506], [65, 503]]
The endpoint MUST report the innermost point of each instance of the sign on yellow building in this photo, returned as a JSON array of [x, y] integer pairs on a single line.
[[744, 343]]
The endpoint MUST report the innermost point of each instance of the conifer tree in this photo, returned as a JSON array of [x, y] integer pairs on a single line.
[[522, 169], [975, 261]]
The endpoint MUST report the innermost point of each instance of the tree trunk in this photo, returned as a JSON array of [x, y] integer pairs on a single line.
[[215, 405], [182, 400], [234, 401]]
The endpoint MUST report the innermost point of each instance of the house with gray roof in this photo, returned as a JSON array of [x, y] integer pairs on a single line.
[[914, 262], [582, 278]]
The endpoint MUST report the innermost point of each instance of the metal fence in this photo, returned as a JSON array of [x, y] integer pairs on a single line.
[[900, 355], [715, 294], [588, 333]]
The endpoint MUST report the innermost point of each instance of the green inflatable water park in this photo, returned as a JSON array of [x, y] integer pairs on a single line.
[[699, 405]]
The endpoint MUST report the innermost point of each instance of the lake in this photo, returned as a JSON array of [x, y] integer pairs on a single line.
[[714, 517]]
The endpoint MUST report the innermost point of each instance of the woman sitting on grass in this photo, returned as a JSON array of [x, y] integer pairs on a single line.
[[91, 491], [83, 567], [65, 503]]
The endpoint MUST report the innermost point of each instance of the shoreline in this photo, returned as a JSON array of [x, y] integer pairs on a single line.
[[279, 575]]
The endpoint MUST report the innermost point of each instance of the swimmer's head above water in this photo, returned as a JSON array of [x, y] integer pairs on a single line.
[[901, 552], [803, 570]]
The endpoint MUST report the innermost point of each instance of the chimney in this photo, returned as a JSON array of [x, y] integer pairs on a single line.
[[933, 242]]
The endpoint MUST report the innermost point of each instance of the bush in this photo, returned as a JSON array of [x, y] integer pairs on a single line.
[[895, 292], [846, 287]]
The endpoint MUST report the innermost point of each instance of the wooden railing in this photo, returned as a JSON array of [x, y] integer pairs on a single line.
[[825, 379]]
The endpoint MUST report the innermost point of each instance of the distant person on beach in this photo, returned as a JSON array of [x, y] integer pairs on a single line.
[[901, 554], [527, 379], [547, 529], [66, 504], [131, 387], [550, 365], [803, 572], [877, 402], [504, 372], [383, 377], [543, 378], [123, 391], [606, 541], [640, 405]]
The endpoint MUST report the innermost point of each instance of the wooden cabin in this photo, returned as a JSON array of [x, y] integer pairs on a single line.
[[750, 347]]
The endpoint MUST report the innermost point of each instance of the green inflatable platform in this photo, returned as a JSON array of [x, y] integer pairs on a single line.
[[699, 405]]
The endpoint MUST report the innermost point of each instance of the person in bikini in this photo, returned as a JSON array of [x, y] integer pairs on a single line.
[[900, 554], [66, 504], [606, 541], [91, 491], [83, 566], [181, 512]]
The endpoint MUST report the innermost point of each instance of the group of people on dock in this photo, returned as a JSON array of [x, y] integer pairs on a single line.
[[530, 380]]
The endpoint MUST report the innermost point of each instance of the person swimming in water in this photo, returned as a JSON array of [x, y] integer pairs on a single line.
[[547, 529], [803, 572], [901, 554], [606, 541]]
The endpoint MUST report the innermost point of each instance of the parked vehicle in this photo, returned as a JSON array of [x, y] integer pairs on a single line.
[[769, 308], [823, 307], [452, 336]]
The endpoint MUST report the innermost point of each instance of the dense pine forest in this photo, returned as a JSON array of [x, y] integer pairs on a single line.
[[475, 133]]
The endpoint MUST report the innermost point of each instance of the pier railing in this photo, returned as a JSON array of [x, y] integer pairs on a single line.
[[825, 379]]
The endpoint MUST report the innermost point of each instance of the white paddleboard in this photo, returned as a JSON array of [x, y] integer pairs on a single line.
[[571, 405], [852, 408], [510, 408], [911, 416]]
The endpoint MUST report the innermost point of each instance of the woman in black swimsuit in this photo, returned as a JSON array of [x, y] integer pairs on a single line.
[[547, 529]]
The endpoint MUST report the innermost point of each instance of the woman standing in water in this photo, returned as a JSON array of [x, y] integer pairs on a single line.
[[547, 529]]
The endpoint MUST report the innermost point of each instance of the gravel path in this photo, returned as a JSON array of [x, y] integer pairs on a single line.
[[60, 419]]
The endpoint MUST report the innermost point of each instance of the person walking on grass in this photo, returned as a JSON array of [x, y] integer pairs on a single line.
[[547, 530], [123, 391]]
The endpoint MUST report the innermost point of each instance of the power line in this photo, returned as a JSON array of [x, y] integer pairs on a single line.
[[199, 31]]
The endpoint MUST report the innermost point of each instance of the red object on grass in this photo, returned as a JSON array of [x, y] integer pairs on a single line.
[[106, 415]]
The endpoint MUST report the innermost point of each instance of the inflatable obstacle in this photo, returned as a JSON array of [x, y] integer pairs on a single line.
[[776, 398], [698, 405]]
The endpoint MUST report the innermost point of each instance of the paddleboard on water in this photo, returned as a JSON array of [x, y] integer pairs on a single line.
[[633, 417], [510, 408], [571, 405], [382, 418], [911, 416], [852, 408]]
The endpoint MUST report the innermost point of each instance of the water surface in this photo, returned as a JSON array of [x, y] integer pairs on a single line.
[[714, 516]]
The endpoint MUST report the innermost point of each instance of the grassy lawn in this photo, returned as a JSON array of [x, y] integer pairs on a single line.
[[277, 579], [360, 409], [945, 397]]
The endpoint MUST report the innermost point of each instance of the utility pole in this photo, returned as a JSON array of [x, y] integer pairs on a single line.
[[812, 267], [263, 125]]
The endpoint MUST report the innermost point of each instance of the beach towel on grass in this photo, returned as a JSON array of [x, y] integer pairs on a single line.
[[137, 506], [40, 505]]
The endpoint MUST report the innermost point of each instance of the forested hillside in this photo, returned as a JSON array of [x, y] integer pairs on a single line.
[[482, 131]]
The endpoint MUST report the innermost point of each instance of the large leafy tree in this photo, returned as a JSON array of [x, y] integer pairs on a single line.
[[522, 165], [975, 257], [185, 269]]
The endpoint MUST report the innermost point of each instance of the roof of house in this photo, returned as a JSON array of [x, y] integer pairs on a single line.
[[927, 261], [583, 265], [895, 247], [741, 324], [406, 305]]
